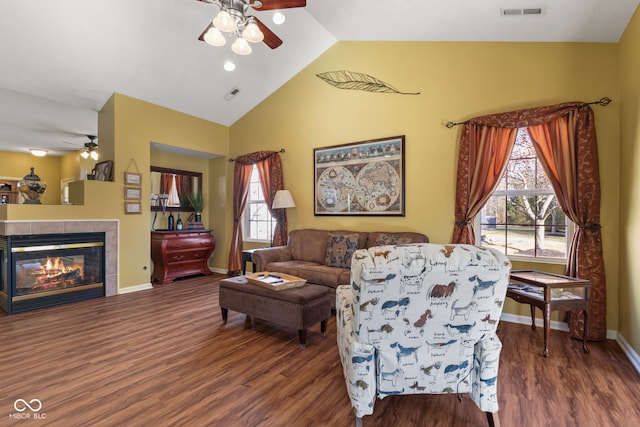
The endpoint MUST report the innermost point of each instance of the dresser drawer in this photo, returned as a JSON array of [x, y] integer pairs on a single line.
[[187, 255], [188, 242]]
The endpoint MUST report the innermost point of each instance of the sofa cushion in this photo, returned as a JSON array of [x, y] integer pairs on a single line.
[[340, 249], [289, 267], [327, 276], [311, 245], [378, 238]]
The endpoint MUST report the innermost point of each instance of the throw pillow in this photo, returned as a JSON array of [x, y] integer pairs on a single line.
[[391, 239], [340, 249]]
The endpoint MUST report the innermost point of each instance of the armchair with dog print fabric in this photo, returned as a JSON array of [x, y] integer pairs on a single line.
[[422, 318]]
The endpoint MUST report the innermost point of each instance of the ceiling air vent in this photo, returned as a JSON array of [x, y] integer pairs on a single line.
[[233, 92], [522, 11]]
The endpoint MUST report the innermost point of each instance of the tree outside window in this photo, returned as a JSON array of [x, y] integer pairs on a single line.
[[259, 224], [522, 218]]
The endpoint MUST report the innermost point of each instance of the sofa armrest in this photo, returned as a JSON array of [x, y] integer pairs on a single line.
[[262, 257], [358, 359]]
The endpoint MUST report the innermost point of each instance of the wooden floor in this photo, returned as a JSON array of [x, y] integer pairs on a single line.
[[162, 357]]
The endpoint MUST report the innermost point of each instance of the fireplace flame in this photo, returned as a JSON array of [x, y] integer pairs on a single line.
[[56, 266], [54, 273]]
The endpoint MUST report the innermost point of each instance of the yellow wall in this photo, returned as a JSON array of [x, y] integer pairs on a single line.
[[128, 126], [629, 301], [456, 81]]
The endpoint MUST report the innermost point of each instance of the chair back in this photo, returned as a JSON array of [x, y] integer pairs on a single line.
[[427, 315]]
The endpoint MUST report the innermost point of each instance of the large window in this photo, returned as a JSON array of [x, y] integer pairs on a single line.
[[522, 218], [259, 224]]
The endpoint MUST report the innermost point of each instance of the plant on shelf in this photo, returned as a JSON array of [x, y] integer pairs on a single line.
[[196, 201]]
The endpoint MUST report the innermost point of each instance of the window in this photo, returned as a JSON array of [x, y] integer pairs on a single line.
[[522, 218], [259, 224]]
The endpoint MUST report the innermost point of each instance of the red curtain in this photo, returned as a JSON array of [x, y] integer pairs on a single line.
[[270, 169], [568, 151], [564, 137], [483, 156]]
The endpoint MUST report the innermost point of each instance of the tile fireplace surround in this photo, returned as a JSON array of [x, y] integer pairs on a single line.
[[109, 227]]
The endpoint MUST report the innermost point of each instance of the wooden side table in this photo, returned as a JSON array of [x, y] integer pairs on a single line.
[[550, 292], [247, 257]]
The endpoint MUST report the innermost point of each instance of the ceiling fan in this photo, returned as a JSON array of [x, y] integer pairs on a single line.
[[236, 21], [90, 148]]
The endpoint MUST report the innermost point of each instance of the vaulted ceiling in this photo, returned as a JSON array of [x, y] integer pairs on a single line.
[[62, 60]]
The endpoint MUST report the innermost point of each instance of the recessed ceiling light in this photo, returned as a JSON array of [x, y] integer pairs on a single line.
[[278, 18], [229, 66], [38, 153]]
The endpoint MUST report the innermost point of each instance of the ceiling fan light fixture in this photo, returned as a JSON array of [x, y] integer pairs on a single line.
[[241, 46], [38, 153], [279, 18], [225, 22], [229, 66], [214, 37], [252, 33], [94, 155], [84, 154]]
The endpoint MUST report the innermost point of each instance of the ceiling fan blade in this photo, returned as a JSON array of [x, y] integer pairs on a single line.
[[281, 4], [201, 38], [270, 38]]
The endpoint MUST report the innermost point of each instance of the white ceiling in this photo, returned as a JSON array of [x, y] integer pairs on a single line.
[[62, 60]]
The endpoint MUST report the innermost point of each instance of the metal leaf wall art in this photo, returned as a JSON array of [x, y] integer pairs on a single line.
[[359, 81]]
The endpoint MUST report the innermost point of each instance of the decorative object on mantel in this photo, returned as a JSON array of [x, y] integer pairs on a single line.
[[359, 81], [32, 188], [364, 178], [103, 170]]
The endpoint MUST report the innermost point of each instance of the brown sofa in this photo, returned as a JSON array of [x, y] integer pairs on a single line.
[[323, 257]]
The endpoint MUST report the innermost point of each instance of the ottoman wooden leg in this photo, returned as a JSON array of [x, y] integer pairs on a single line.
[[225, 313], [302, 334], [323, 327]]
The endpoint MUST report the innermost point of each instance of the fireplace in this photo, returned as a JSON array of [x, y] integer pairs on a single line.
[[43, 270]]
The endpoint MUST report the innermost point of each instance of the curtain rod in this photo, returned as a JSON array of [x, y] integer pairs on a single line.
[[281, 151], [603, 102]]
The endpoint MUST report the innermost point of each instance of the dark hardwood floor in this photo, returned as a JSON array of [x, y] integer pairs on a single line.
[[162, 357]]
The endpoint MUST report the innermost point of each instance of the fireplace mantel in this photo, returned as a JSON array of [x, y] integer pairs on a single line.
[[109, 227]]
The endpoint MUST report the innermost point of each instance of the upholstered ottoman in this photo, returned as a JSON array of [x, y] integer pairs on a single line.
[[296, 308]]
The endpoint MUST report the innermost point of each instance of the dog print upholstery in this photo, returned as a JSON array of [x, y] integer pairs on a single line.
[[422, 318]]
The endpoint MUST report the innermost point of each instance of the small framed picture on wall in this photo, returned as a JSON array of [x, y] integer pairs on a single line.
[[132, 193], [132, 208], [131, 178]]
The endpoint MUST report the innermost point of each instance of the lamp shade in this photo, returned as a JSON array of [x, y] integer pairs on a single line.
[[241, 47], [283, 199]]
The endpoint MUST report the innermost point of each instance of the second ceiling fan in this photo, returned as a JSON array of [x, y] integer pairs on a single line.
[[233, 19]]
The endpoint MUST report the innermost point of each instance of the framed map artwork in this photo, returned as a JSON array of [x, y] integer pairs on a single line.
[[363, 178]]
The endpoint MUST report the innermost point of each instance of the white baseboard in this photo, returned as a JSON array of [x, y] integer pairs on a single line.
[[218, 270], [557, 325], [563, 326], [129, 289], [630, 352]]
